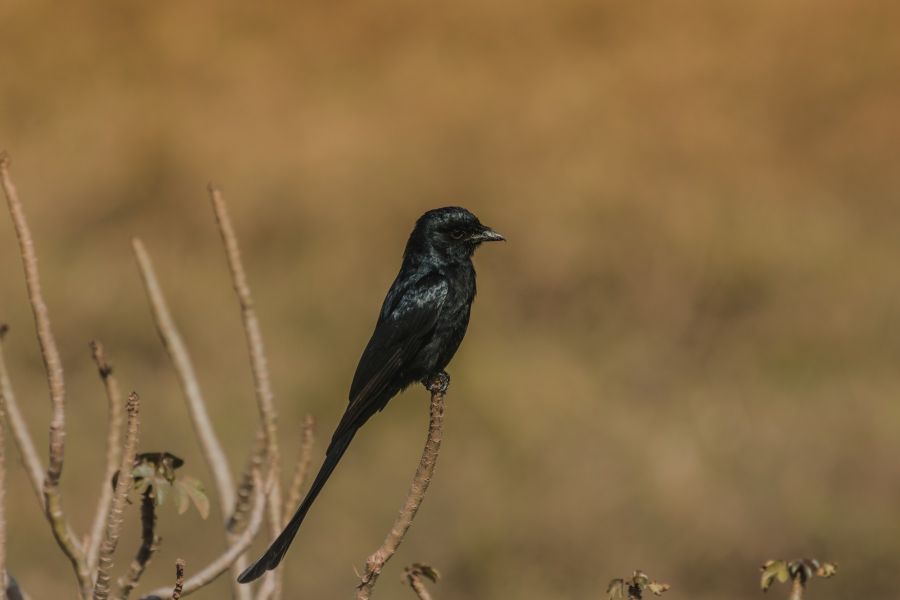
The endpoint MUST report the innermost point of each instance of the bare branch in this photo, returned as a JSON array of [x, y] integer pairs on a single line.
[[301, 471], [19, 428], [181, 360], [258, 363], [179, 579], [226, 559], [113, 452], [53, 367], [123, 485], [2, 500], [375, 563], [414, 573], [149, 544], [244, 493]]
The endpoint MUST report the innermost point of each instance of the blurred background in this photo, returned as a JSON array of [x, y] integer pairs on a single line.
[[684, 360]]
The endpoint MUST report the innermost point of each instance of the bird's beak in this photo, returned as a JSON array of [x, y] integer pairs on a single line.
[[489, 235]]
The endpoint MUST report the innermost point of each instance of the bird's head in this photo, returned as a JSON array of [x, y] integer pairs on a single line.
[[451, 232]]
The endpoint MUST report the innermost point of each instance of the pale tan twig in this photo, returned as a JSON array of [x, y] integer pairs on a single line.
[[113, 451], [123, 486], [149, 545], [301, 471], [226, 559], [53, 367], [414, 573], [375, 563], [18, 427], [179, 579], [244, 499], [258, 363], [181, 360], [2, 499]]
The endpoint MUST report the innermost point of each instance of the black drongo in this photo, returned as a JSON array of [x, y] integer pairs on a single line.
[[421, 324]]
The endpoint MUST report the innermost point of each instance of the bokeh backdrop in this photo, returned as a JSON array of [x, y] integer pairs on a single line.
[[686, 358]]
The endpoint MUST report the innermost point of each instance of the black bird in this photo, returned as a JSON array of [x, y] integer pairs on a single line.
[[422, 322]]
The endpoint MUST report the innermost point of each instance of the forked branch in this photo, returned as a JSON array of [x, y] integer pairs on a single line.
[[53, 367]]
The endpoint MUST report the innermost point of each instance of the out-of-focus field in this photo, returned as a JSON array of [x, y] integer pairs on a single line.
[[686, 358]]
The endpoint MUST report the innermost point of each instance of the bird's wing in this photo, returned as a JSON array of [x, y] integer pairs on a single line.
[[402, 329]]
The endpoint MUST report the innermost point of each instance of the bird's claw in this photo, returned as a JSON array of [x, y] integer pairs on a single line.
[[438, 383]]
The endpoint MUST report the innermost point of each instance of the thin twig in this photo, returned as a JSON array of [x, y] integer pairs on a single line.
[[226, 559], [53, 367], [301, 471], [258, 363], [244, 500], [149, 544], [414, 573], [375, 563], [2, 500], [18, 427], [123, 486], [181, 360], [179, 579], [113, 451]]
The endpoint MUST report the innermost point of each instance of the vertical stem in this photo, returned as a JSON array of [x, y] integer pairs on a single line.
[[113, 452], [796, 589], [123, 485], [258, 367]]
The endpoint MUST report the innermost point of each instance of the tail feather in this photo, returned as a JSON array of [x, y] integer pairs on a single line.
[[270, 559]]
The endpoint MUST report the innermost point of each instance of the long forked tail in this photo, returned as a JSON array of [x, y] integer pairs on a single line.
[[276, 551]]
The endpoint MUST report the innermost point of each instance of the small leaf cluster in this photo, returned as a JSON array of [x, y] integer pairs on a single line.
[[155, 478], [634, 588], [421, 570], [800, 570]]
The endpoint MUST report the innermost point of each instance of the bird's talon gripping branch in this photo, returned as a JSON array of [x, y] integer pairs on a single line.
[[438, 383]]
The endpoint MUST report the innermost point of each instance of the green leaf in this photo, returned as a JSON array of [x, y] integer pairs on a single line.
[[656, 588], [161, 489], [616, 590], [772, 570], [181, 498], [194, 489]]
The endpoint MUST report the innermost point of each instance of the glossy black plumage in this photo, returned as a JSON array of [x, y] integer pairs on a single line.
[[421, 324]]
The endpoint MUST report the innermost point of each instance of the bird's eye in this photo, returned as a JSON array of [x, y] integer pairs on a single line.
[[457, 234]]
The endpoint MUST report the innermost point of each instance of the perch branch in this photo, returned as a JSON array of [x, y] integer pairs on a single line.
[[258, 366], [149, 545], [123, 486], [179, 579], [53, 367], [113, 451], [301, 471], [375, 563], [19, 428], [226, 559]]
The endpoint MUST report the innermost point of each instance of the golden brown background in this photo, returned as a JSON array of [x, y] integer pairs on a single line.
[[686, 358]]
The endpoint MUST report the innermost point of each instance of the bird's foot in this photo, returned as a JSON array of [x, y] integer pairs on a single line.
[[437, 383]]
